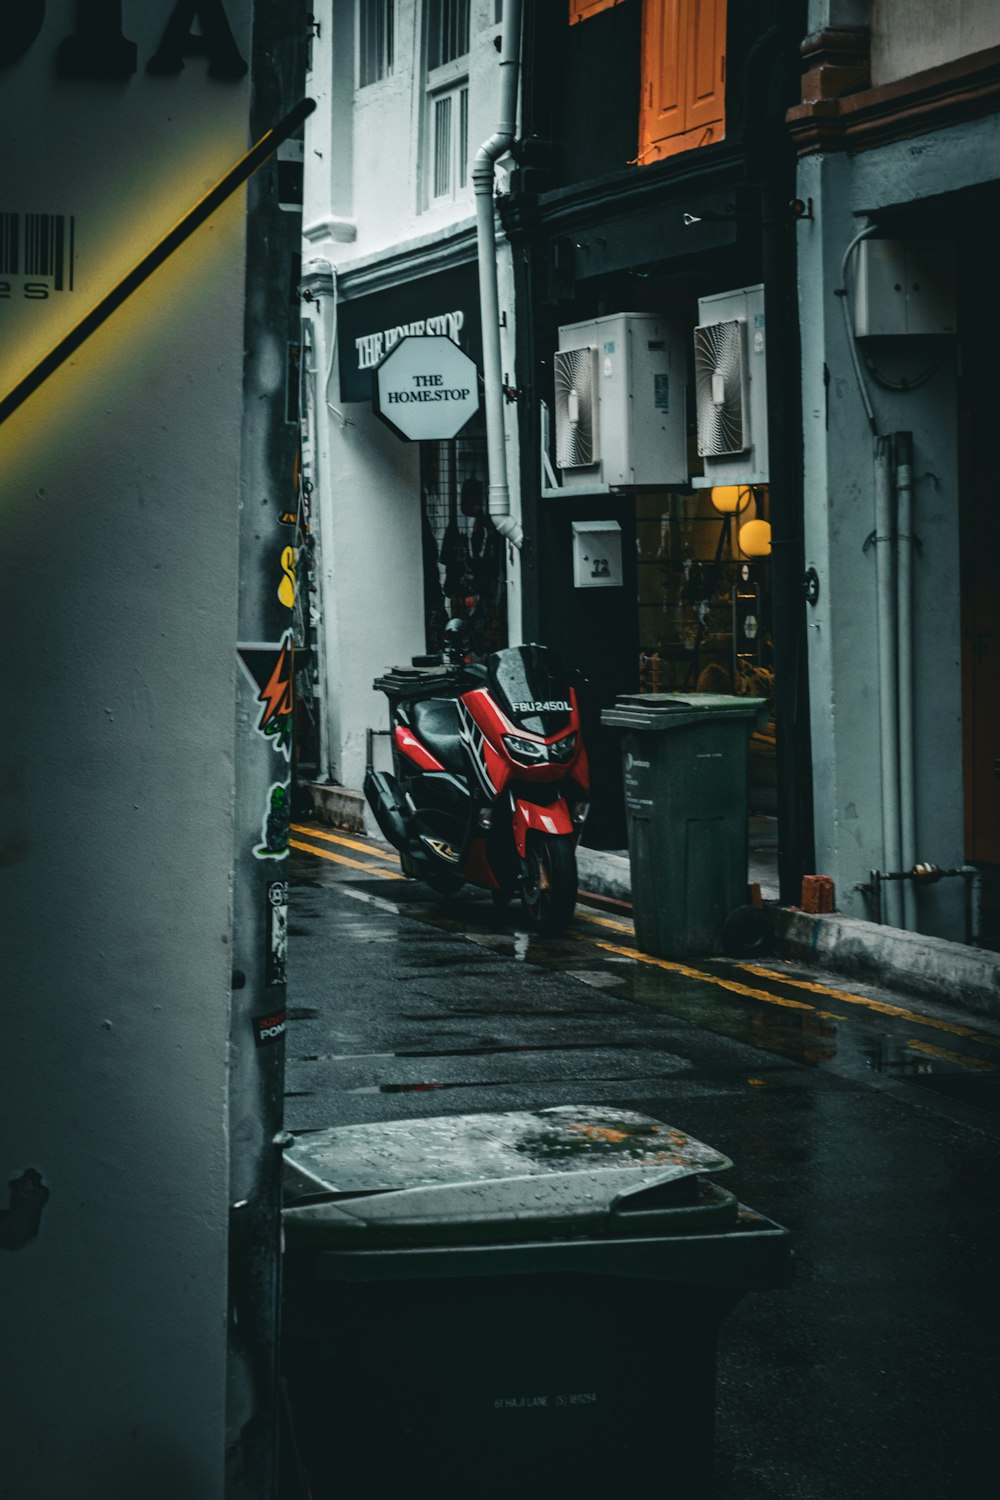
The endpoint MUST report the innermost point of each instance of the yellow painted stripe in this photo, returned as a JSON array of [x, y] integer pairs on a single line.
[[345, 859], [616, 926], [689, 973], [955, 1028], [338, 838], [881, 1006], [952, 1057]]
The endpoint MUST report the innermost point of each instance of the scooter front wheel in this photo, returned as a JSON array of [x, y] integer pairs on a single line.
[[548, 882]]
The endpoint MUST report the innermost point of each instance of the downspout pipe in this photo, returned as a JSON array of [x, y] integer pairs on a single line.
[[893, 537], [483, 171], [887, 673], [902, 448]]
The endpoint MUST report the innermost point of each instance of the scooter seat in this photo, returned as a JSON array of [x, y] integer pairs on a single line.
[[437, 725]]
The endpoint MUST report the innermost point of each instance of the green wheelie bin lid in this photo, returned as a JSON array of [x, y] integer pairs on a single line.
[[665, 711], [576, 1187]]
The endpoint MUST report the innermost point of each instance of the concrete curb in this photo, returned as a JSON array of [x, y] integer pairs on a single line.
[[603, 873], [338, 805], [905, 961]]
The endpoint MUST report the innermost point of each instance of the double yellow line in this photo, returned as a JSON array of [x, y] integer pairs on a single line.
[[865, 1002], [344, 859]]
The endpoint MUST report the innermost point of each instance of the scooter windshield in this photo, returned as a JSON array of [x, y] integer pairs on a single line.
[[532, 688]]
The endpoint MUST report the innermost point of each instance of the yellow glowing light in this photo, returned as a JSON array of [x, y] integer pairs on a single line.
[[730, 499], [755, 539], [157, 255]]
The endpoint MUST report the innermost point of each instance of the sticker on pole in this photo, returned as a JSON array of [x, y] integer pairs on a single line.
[[426, 389]]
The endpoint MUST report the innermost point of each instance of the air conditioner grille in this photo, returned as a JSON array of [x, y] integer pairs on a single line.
[[721, 387], [576, 416]]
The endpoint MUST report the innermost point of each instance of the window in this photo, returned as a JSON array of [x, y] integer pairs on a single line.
[[447, 32], [447, 122], [683, 76], [375, 40]]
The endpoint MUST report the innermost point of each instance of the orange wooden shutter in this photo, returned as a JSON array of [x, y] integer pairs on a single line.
[[683, 76], [582, 10], [706, 80]]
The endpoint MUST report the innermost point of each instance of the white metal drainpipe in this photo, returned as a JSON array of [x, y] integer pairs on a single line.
[[489, 302]]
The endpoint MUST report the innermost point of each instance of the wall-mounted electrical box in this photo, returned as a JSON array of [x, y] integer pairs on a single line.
[[620, 393], [904, 287], [730, 374], [597, 555]]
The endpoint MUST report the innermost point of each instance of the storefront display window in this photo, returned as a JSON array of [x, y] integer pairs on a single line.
[[463, 553], [704, 593]]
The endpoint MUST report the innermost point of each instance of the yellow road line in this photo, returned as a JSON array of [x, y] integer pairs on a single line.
[[881, 1006], [725, 984], [952, 1057], [955, 1028], [338, 838], [344, 859], [616, 926]]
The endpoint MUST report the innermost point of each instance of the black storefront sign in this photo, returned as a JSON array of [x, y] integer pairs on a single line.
[[368, 327]]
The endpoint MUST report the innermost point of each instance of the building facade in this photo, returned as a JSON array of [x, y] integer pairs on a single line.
[[654, 195], [742, 459], [897, 136], [406, 92]]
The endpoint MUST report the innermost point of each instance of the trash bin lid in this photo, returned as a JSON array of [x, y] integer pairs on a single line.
[[571, 1169], [660, 711]]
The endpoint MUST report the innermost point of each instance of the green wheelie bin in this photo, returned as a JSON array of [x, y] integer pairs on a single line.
[[522, 1304], [684, 760]]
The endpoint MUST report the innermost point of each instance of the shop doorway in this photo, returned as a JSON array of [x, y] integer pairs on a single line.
[[464, 564], [704, 590]]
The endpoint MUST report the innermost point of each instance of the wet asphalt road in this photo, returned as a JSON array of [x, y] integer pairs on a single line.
[[867, 1124]]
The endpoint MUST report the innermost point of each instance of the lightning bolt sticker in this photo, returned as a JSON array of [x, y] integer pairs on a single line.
[[270, 668]]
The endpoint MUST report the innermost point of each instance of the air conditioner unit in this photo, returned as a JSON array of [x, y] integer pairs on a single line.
[[731, 387], [620, 394]]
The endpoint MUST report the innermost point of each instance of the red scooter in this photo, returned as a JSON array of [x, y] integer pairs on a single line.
[[490, 777]]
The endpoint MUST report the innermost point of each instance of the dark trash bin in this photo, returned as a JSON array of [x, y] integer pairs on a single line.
[[510, 1305], [684, 761]]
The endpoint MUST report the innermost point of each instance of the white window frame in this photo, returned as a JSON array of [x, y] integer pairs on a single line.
[[446, 89], [381, 12]]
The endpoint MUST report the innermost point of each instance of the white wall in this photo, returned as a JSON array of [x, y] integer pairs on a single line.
[[908, 36], [390, 183], [372, 575], [119, 493], [368, 494]]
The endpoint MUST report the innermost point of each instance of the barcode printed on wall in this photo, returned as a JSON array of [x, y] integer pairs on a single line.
[[38, 245]]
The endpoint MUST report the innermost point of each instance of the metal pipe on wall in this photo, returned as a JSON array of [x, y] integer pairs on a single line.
[[312, 350], [796, 855], [887, 673], [893, 537], [902, 446], [482, 184]]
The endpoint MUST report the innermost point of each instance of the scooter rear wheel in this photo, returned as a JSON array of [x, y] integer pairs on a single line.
[[548, 882]]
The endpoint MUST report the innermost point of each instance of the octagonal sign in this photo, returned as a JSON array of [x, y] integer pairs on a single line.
[[426, 388]]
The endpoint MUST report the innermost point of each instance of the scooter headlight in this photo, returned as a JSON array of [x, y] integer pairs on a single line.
[[528, 752], [563, 749]]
